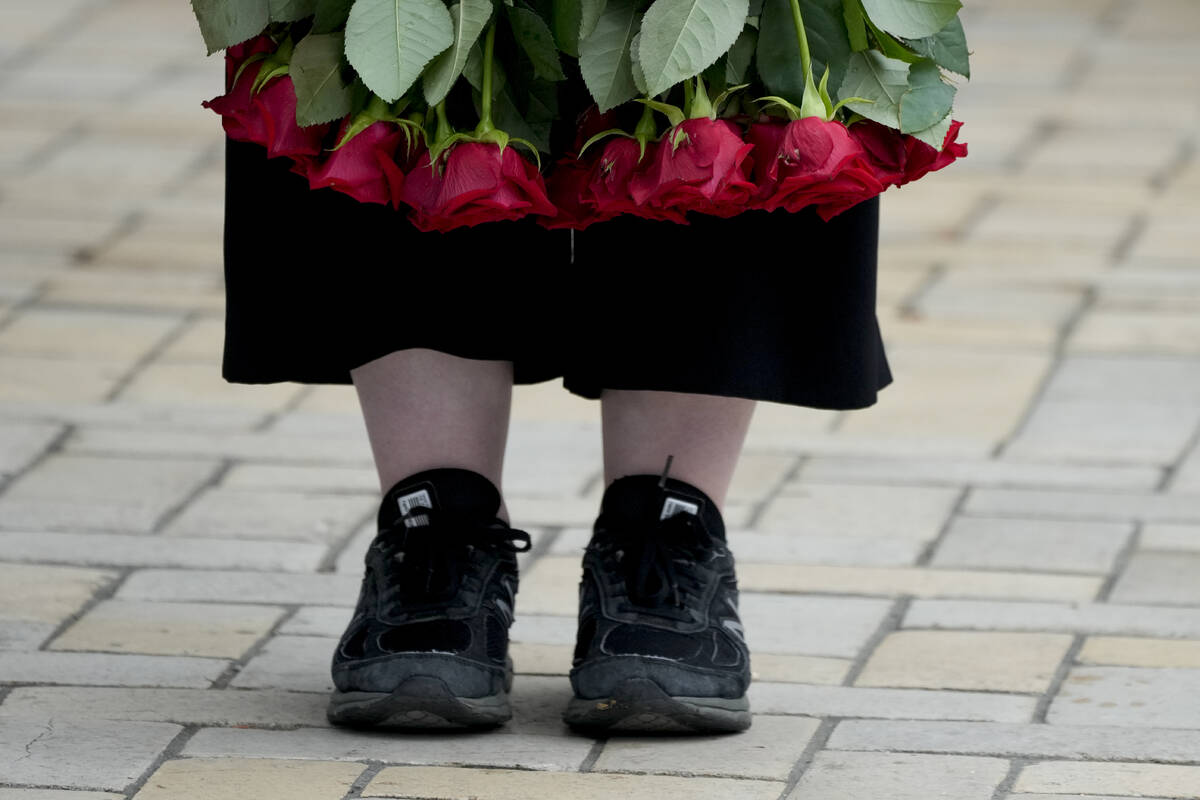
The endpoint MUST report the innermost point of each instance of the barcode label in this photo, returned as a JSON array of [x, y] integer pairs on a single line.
[[415, 500], [674, 505]]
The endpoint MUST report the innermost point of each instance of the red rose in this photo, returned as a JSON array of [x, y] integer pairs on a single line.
[[567, 187], [277, 105], [365, 167], [475, 183], [242, 121], [708, 170], [766, 138], [819, 163], [923, 159], [885, 150]]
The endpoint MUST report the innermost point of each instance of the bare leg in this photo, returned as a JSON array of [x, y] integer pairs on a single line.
[[704, 433], [426, 409]]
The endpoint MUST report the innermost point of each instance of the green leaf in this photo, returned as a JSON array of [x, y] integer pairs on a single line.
[[682, 37], [878, 79], [331, 15], [639, 77], [589, 15], [389, 42], [224, 23], [508, 118], [470, 18], [912, 19], [316, 70], [291, 10], [605, 56], [935, 134], [737, 63], [856, 24], [567, 21], [928, 98], [947, 47], [535, 38], [473, 71], [778, 55]]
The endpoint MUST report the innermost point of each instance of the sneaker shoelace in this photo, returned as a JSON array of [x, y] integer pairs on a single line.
[[660, 560], [428, 552]]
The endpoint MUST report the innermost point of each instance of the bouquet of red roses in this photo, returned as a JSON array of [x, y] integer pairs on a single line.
[[703, 106]]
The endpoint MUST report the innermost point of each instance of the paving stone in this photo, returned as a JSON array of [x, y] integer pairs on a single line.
[[135, 288], [253, 446], [959, 296], [751, 546], [291, 663], [1083, 505], [255, 514], [1030, 544], [916, 581], [133, 550], [1128, 696], [317, 621], [1160, 577], [135, 418], [768, 750], [202, 341], [302, 477], [1089, 778], [223, 707], [174, 629], [200, 385], [480, 748], [1110, 331], [84, 334], [1135, 651], [55, 794], [24, 635], [84, 492], [809, 625], [246, 586], [541, 659], [899, 776], [1011, 740], [31, 593], [29, 379], [22, 442], [852, 701], [1125, 379], [448, 783], [978, 472], [827, 509], [1001, 662], [238, 778], [1097, 618], [108, 669], [79, 753], [1187, 476], [1024, 796], [1148, 432]]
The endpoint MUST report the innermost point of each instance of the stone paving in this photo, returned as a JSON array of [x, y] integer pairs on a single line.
[[985, 587]]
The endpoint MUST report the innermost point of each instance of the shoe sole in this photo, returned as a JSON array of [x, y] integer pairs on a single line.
[[640, 705], [423, 701]]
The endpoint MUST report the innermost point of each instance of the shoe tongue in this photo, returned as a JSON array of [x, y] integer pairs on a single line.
[[450, 491], [638, 498]]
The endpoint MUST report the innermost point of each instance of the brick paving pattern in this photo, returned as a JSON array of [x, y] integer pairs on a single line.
[[986, 587]]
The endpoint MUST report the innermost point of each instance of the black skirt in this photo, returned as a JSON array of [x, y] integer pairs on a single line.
[[765, 305]]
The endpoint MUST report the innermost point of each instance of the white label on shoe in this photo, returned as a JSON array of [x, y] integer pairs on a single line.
[[419, 499], [673, 506]]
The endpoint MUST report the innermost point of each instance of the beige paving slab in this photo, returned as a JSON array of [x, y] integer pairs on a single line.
[[55, 794], [916, 581], [1128, 696], [47, 594], [976, 472], [1139, 780], [1159, 331], [1169, 536], [1032, 544], [1160, 577], [223, 630], [201, 384], [1136, 651], [767, 750], [812, 700], [845, 509], [202, 341], [1002, 662], [112, 288], [1119, 619], [30, 379], [262, 514], [450, 783], [84, 334], [22, 441], [238, 778], [899, 776]]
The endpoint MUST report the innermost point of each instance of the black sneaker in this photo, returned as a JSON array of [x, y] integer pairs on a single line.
[[660, 645], [427, 646]]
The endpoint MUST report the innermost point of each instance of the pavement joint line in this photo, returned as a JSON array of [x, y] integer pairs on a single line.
[[1190, 448], [214, 479], [1057, 356], [236, 665], [335, 551], [759, 507], [591, 483], [1128, 238], [53, 447], [22, 55], [593, 754], [128, 223], [1113, 14], [1185, 154], [291, 404], [890, 623], [173, 750], [360, 783], [815, 745], [158, 348], [51, 147], [931, 547], [1069, 660], [1120, 563], [1075, 70], [105, 592], [909, 306], [1039, 135]]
